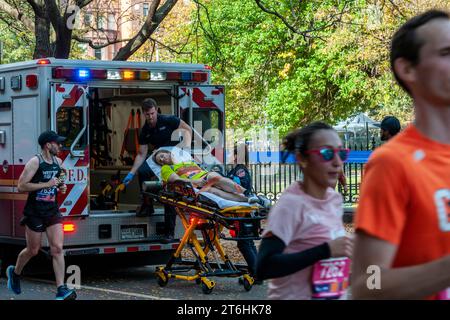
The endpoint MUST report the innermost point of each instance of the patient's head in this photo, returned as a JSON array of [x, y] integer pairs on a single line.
[[163, 157]]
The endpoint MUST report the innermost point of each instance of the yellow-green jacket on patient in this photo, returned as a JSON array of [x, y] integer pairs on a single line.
[[187, 170]]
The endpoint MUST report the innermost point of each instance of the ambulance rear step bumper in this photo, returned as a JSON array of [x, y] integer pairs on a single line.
[[113, 249]]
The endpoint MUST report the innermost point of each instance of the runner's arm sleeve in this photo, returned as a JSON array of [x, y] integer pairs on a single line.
[[273, 263]]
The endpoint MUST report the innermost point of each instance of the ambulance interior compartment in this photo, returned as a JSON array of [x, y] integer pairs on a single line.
[[111, 159]]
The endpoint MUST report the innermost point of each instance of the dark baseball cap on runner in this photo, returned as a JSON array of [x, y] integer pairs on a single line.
[[390, 124], [49, 136]]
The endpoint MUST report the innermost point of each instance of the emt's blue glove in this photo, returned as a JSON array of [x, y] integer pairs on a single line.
[[128, 178]]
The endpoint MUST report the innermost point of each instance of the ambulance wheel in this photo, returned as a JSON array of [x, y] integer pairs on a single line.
[[205, 288], [247, 285], [162, 280]]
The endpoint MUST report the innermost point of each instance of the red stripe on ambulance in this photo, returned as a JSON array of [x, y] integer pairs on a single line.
[[75, 94], [198, 97]]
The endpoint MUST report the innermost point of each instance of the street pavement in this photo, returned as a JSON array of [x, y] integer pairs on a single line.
[[138, 283]]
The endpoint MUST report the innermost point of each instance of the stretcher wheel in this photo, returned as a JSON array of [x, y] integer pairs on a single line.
[[206, 289], [162, 278], [162, 282], [247, 285]]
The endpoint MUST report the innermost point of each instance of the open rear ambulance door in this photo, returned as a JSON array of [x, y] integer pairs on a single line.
[[69, 118], [202, 107]]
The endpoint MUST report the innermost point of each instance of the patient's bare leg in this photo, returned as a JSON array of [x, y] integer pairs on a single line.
[[225, 184], [239, 197]]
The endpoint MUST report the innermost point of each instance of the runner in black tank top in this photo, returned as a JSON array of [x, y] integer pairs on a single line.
[[42, 203], [40, 178]]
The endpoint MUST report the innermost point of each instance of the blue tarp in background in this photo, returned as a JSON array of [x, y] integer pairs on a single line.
[[277, 157]]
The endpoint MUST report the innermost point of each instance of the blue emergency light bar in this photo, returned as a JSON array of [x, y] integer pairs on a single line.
[[78, 74], [84, 74]]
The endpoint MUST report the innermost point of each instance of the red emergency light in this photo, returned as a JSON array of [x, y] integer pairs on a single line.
[[69, 227], [31, 81], [43, 61], [187, 76], [235, 232], [79, 74]]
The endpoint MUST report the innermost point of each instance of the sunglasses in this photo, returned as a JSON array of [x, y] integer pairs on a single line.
[[327, 153]]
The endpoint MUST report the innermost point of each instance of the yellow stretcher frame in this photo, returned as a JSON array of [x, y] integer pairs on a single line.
[[195, 217]]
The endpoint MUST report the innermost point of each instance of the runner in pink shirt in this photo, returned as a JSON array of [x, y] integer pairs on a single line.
[[304, 247]]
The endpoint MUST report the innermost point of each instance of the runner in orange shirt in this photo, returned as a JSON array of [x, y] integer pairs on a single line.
[[403, 217]]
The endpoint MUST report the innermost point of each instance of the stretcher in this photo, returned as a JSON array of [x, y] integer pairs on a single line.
[[211, 216]]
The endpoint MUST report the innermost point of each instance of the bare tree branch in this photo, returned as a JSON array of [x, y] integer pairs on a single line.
[[178, 52], [279, 16], [396, 8], [14, 13], [17, 28], [91, 44], [152, 21], [82, 3], [36, 8], [210, 35], [331, 20], [53, 14]]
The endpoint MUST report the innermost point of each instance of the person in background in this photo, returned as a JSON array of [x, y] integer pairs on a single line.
[[304, 228], [389, 127], [241, 175]]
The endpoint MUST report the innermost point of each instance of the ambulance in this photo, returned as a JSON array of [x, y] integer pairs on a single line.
[[96, 106]]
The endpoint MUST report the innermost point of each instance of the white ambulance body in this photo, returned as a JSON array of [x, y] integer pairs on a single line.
[[91, 103]]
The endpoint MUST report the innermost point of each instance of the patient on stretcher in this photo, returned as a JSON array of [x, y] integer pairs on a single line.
[[189, 171]]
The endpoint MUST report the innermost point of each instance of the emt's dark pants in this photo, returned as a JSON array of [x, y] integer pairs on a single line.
[[248, 250]]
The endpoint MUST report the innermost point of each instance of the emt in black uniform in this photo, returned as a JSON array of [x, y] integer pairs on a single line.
[[156, 132]]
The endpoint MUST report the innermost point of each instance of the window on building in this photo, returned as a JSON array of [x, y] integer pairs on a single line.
[[100, 22], [111, 22], [87, 19], [98, 54], [83, 47], [145, 9]]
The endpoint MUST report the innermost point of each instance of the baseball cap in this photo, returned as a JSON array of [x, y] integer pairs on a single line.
[[390, 124], [49, 136]]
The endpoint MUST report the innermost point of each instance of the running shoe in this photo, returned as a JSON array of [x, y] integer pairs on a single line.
[[13, 280], [64, 293]]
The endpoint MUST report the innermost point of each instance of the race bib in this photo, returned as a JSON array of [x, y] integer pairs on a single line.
[[444, 295], [330, 278], [46, 195]]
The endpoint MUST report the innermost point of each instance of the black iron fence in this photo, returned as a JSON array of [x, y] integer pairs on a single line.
[[272, 179]]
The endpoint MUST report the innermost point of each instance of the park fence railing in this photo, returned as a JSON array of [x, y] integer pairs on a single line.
[[271, 179]]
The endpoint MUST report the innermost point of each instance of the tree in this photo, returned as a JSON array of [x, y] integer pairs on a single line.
[[286, 63], [173, 36], [275, 76], [53, 23]]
